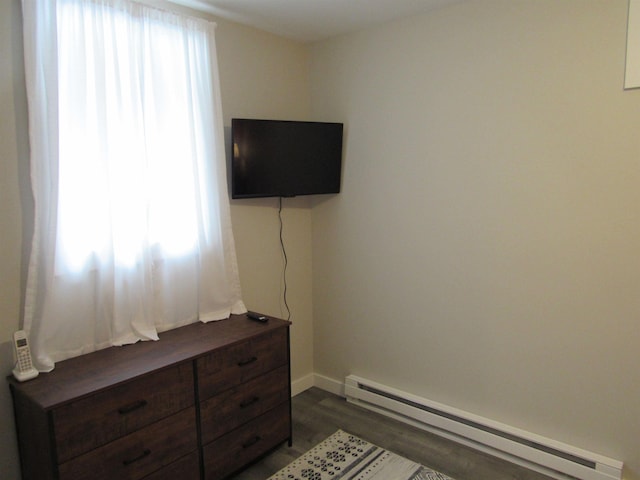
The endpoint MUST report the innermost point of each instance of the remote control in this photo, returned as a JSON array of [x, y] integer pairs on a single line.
[[257, 317]]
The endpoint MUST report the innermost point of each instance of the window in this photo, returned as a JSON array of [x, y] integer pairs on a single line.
[[132, 229]]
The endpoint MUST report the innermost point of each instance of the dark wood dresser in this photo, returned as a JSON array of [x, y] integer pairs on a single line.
[[203, 402]]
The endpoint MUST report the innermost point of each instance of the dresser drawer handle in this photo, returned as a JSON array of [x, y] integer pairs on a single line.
[[251, 442], [144, 454], [132, 407], [249, 402], [242, 363]]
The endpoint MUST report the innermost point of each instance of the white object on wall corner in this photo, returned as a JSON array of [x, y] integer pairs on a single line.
[[632, 69]]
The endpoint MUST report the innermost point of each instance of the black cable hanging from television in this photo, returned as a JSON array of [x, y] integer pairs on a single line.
[[284, 254]]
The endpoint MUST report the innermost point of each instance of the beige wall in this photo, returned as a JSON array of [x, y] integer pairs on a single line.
[[484, 251], [261, 75]]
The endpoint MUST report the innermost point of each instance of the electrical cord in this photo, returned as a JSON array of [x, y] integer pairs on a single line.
[[286, 261]]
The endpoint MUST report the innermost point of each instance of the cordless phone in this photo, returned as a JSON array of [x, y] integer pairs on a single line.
[[24, 369]]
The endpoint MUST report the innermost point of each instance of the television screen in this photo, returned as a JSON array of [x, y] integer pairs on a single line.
[[281, 158]]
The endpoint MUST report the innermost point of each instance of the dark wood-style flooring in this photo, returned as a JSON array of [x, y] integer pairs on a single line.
[[317, 414]]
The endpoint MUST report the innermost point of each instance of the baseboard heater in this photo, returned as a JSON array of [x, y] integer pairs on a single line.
[[547, 456]]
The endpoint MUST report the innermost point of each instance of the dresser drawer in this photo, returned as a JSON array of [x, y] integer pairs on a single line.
[[227, 367], [93, 421], [185, 468], [236, 406], [138, 454], [243, 445]]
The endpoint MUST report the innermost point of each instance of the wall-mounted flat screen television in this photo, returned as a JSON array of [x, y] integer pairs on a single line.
[[283, 158]]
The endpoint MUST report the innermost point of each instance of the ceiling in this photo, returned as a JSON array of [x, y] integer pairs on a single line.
[[311, 20]]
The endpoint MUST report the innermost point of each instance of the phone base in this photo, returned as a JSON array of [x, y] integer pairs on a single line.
[[26, 375]]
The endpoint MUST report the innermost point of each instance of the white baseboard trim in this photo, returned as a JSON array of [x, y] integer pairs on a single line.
[[327, 384], [302, 384]]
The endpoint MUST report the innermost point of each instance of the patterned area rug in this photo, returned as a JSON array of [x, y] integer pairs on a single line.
[[347, 457]]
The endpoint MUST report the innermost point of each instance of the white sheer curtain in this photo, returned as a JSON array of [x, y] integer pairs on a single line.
[[132, 230]]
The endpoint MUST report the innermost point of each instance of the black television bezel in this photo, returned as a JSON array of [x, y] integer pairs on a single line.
[[289, 191]]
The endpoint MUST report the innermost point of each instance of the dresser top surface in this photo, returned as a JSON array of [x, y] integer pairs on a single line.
[[80, 376]]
